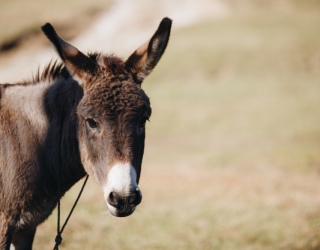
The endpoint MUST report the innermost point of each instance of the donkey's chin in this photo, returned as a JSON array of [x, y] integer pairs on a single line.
[[120, 213]]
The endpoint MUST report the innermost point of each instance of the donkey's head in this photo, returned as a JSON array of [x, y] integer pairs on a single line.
[[112, 114]]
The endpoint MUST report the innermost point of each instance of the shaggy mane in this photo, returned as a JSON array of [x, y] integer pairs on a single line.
[[49, 73]]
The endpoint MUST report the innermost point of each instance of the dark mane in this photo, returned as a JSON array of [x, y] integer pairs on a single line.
[[49, 73]]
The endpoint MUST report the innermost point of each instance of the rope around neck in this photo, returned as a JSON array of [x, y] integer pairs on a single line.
[[58, 238]]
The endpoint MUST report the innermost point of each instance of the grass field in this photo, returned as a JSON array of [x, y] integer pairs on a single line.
[[232, 157]]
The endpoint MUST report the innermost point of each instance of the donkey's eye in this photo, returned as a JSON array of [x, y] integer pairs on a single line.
[[91, 123], [142, 125]]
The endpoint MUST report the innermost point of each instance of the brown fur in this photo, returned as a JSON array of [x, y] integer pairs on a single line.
[[83, 117]]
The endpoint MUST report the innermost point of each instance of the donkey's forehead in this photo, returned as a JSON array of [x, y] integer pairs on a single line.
[[113, 95], [114, 90], [110, 64]]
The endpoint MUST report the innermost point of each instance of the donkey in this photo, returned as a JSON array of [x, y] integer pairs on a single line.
[[85, 115]]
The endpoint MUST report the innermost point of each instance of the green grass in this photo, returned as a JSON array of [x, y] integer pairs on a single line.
[[233, 148]]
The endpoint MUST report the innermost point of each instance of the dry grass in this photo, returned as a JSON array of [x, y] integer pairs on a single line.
[[232, 157]]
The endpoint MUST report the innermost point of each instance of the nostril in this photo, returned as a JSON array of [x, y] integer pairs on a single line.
[[112, 199], [136, 198], [121, 202]]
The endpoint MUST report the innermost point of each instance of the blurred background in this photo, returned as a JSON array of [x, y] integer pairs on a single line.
[[232, 158]]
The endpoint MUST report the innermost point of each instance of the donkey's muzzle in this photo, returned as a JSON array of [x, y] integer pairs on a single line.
[[124, 204]]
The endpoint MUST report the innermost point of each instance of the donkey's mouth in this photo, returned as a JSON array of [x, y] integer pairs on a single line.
[[120, 212]]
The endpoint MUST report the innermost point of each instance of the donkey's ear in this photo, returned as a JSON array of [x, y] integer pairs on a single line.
[[77, 63], [146, 57]]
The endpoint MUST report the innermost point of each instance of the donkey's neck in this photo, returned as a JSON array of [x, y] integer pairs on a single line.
[[61, 147], [25, 103]]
